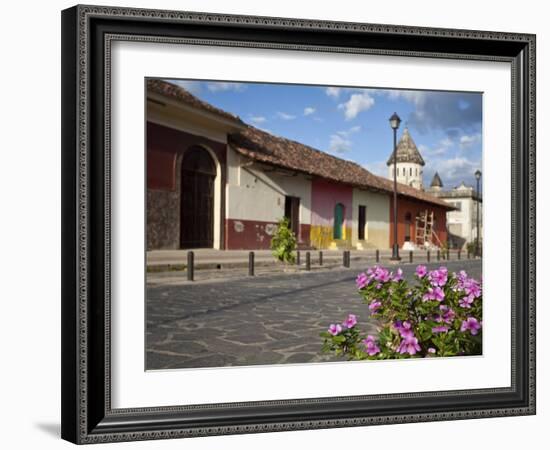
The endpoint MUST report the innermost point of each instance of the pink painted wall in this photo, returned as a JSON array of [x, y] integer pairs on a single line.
[[324, 197]]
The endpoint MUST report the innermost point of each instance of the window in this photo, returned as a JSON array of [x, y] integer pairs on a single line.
[[410, 171], [403, 171]]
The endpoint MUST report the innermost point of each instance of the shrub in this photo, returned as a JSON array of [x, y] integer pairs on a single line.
[[283, 243], [440, 315]]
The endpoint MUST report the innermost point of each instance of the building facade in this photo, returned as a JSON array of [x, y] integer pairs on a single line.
[[462, 222], [215, 182]]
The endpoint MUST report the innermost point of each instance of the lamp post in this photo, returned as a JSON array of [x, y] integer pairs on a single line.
[[394, 123], [478, 176]]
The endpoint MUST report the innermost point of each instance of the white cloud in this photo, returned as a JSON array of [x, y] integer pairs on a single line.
[[379, 168], [356, 104], [338, 144], [416, 97], [219, 86], [440, 149], [285, 116], [333, 92], [258, 119], [308, 111], [454, 170], [466, 141], [349, 131]]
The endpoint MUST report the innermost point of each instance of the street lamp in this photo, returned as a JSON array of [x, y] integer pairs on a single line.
[[394, 123], [478, 176]]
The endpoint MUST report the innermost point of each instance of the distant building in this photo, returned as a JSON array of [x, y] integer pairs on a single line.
[[462, 221], [214, 181]]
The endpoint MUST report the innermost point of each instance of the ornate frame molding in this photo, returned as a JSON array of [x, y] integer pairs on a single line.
[[88, 32]]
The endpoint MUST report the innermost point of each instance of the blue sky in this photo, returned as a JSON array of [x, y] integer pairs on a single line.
[[352, 123]]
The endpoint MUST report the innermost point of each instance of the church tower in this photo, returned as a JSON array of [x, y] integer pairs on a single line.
[[409, 162]]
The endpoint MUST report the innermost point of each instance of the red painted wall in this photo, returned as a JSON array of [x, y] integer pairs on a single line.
[[164, 145], [414, 207], [256, 235], [324, 197]]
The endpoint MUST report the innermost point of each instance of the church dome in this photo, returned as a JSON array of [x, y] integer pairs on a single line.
[[407, 152], [436, 181]]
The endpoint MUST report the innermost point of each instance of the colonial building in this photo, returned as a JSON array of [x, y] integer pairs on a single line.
[[462, 222], [213, 181]]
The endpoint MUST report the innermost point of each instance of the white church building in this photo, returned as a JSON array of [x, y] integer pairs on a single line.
[[462, 220]]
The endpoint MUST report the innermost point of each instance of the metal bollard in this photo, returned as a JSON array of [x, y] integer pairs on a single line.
[[308, 261], [320, 258], [428, 256], [458, 254], [298, 258], [251, 264], [411, 256], [468, 255], [448, 255], [377, 256], [190, 266], [438, 255]]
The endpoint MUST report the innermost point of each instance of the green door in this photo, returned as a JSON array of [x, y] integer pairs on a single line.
[[338, 220]]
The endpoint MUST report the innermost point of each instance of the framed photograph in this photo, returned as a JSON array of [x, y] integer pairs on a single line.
[[280, 224]]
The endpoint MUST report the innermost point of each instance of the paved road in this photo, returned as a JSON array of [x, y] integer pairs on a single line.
[[263, 320]]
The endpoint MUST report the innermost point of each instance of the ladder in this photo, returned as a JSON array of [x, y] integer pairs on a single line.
[[425, 234]]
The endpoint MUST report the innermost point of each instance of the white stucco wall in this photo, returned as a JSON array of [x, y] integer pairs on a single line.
[[254, 193], [377, 229], [466, 217], [412, 176]]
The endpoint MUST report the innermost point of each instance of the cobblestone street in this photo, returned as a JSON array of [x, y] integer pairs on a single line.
[[268, 319]]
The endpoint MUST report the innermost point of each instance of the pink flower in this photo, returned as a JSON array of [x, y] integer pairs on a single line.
[[466, 302], [372, 347], [409, 344], [421, 271], [351, 321], [335, 329], [447, 314], [398, 275], [438, 277], [381, 275], [362, 280], [471, 324], [440, 329], [431, 350], [435, 293], [374, 306], [404, 328]]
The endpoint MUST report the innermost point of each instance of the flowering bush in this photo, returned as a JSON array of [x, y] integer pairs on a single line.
[[440, 315]]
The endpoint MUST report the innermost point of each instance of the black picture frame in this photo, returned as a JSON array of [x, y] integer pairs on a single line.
[[87, 416]]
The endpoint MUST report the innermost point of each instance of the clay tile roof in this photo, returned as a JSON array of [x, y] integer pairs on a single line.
[[274, 150], [407, 151], [175, 92], [278, 151], [436, 181]]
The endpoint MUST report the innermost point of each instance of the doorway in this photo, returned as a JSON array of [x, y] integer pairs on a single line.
[[198, 173]]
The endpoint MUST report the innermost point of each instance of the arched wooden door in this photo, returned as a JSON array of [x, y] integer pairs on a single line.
[[198, 173], [338, 221]]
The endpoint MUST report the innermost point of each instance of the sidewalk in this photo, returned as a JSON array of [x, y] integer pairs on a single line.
[[169, 260]]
